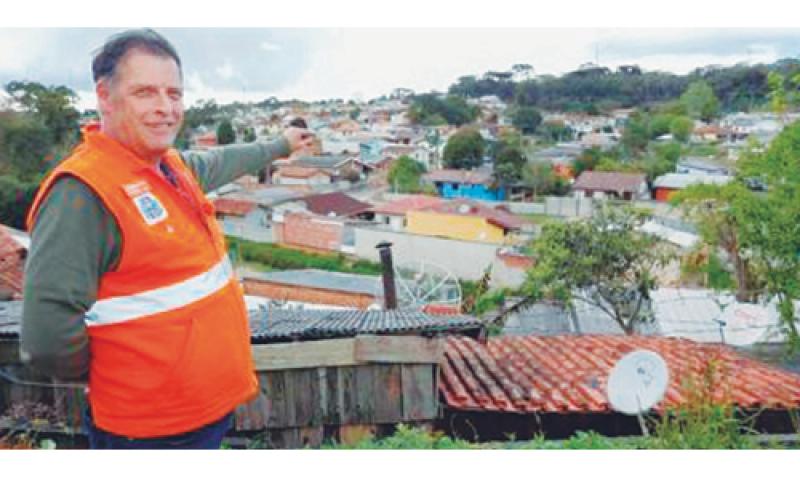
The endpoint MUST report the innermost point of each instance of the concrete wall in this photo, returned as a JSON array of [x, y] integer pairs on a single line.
[[251, 227], [466, 260], [569, 206]]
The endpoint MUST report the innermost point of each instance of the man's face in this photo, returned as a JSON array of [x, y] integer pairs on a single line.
[[142, 105]]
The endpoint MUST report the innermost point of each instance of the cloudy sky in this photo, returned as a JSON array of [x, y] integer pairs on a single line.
[[317, 63]]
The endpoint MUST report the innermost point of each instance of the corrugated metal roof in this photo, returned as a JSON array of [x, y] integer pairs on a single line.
[[336, 203], [568, 374], [277, 325], [280, 325]]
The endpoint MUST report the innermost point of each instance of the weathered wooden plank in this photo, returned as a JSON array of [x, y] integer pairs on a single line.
[[304, 382], [347, 395], [282, 402], [333, 410], [388, 398], [254, 415], [398, 349], [419, 392], [9, 352], [312, 354], [365, 393]]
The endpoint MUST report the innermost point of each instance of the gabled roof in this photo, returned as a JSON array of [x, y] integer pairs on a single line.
[[322, 161], [406, 204], [569, 373], [294, 171], [337, 203], [230, 206], [470, 208], [609, 181], [471, 177]]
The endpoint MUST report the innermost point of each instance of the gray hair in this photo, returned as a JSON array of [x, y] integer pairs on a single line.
[[108, 56]]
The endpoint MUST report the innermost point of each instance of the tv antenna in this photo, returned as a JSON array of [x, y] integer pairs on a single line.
[[637, 382]]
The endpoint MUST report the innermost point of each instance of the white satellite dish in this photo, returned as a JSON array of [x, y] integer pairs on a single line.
[[637, 382]]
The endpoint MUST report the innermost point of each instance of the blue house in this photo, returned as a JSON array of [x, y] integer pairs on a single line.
[[474, 184]]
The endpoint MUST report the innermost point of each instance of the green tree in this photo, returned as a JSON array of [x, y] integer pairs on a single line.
[[541, 178], [636, 135], [225, 133], [53, 106], [25, 144], [404, 175], [770, 222], [711, 208], [700, 101], [526, 119], [603, 261], [464, 149], [508, 165], [249, 135], [681, 128]]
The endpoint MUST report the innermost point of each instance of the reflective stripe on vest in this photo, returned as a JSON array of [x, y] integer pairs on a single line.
[[160, 300]]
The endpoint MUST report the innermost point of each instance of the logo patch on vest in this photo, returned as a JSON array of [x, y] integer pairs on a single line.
[[151, 209]]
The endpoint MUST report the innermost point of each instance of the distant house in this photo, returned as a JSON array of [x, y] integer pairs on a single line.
[[463, 219], [394, 213], [475, 184], [665, 186], [701, 166], [623, 186], [298, 175], [242, 218], [335, 204]]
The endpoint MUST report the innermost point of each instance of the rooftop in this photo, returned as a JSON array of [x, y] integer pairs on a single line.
[[471, 208], [335, 281], [335, 203], [230, 206], [472, 177], [406, 204], [609, 181], [568, 374]]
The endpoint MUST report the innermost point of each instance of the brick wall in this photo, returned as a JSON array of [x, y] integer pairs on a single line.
[[278, 291], [315, 233]]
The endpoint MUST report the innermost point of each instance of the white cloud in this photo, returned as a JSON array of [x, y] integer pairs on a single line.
[[269, 47], [21, 49], [226, 71]]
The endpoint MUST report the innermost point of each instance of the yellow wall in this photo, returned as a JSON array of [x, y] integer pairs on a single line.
[[458, 227]]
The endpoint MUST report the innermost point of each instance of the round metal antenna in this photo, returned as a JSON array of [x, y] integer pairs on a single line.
[[421, 284], [637, 382]]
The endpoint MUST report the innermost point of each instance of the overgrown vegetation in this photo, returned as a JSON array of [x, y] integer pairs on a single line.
[[282, 258]]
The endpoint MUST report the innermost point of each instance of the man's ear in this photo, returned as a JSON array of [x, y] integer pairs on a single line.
[[103, 90]]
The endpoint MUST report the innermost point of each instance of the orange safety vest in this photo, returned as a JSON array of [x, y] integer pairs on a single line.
[[169, 336]]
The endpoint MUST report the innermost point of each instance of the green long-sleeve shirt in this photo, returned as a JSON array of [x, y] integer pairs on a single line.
[[76, 240]]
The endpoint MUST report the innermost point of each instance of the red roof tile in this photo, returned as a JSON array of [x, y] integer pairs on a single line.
[[404, 205], [230, 206], [609, 181], [535, 374], [337, 203], [12, 264]]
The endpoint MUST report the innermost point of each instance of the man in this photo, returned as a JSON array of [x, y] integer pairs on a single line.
[[127, 278]]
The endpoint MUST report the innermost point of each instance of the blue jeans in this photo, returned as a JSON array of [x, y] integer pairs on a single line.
[[208, 437]]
